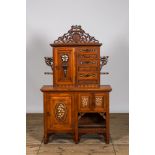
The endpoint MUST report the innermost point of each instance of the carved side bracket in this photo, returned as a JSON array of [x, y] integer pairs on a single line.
[[49, 62], [103, 62], [103, 115], [80, 115]]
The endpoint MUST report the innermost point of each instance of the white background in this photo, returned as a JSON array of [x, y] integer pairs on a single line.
[[107, 20], [13, 77]]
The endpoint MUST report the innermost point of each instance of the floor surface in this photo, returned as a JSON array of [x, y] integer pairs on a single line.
[[89, 144]]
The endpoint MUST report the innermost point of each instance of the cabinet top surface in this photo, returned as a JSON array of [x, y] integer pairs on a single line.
[[50, 88]]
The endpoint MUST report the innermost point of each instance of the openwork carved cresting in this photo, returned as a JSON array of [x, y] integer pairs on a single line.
[[60, 111], [76, 35]]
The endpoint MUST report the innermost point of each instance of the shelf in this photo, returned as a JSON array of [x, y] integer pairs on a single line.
[[91, 120]]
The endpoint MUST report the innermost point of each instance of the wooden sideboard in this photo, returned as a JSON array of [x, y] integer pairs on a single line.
[[76, 102], [76, 110]]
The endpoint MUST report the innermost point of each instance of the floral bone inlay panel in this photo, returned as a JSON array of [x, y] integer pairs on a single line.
[[60, 111], [99, 100], [85, 101]]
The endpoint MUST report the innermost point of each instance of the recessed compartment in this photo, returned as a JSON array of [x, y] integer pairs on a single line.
[[91, 120]]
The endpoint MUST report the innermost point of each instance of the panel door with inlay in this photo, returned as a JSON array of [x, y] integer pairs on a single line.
[[59, 111], [64, 66]]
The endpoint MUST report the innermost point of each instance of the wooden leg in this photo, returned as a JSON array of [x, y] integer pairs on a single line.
[[107, 134], [76, 139], [107, 138], [107, 117], [76, 136], [45, 139]]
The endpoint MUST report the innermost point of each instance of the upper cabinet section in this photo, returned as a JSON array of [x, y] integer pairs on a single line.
[[76, 36], [76, 59]]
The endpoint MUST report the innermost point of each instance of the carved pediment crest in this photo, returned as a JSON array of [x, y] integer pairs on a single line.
[[76, 35]]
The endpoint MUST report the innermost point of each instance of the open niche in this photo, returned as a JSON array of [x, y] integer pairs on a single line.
[[91, 120]]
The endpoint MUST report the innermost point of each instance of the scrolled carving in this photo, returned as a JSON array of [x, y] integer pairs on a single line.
[[49, 61], [104, 61], [60, 111], [76, 35]]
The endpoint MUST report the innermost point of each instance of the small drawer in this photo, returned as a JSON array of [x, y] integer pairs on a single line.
[[88, 62], [88, 68], [87, 49], [87, 75], [88, 55]]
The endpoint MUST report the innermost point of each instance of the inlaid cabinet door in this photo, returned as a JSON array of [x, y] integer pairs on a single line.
[[59, 111], [85, 100], [64, 66], [100, 101]]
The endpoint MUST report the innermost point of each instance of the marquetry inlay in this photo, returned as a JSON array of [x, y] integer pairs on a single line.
[[84, 101], [60, 111], [98, 100]]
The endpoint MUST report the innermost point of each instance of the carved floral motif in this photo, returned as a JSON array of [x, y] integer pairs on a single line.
[[84, 101], [60, 111], [98, 100]]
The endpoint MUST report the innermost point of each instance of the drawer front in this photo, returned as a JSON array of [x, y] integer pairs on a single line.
[[88, 62], [90, 69], [59, 111], [92, 102], [87, 75], [87, 55]]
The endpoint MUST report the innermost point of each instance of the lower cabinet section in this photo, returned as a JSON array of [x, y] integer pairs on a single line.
[[76, 112]]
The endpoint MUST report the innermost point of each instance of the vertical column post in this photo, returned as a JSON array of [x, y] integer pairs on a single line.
[[76, 100], [45, 119], [107, 120]]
